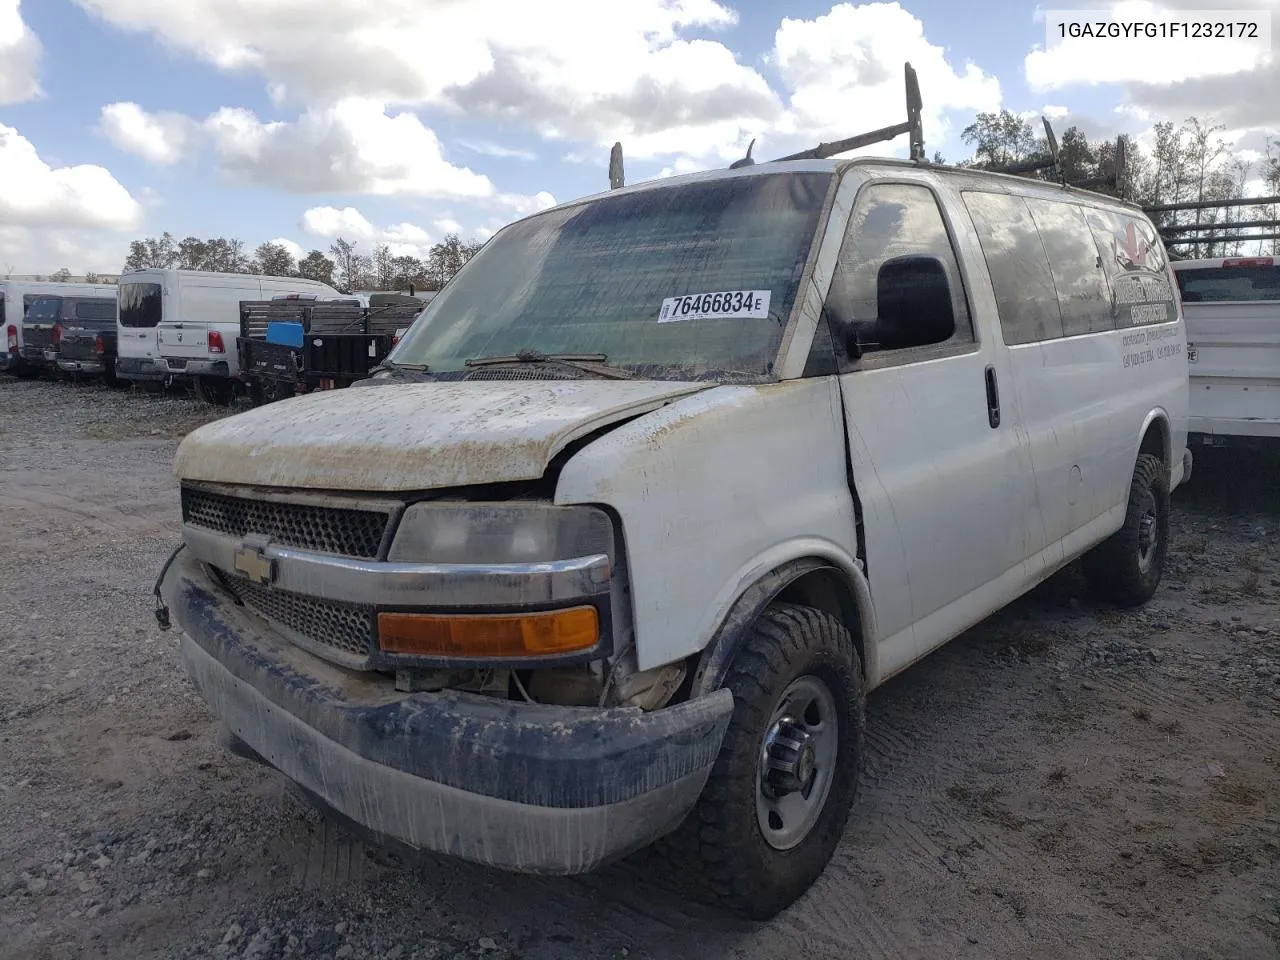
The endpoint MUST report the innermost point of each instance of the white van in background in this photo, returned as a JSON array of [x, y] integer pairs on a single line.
[[1232, 307], [185, 323], [15, 297]]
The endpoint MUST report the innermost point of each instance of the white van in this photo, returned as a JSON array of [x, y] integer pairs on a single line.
[[660, 485], [15, 297], [1232, 307], [185, 323]]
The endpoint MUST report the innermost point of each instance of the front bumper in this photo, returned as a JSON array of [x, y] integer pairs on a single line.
[[139, 368], [89, 367], [526, 787]]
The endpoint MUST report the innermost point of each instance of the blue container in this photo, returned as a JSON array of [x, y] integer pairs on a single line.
[[285, 334]]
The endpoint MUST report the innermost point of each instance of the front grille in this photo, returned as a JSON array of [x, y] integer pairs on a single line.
[[345, 627], [338, 530]]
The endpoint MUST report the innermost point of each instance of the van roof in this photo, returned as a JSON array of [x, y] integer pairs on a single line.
[[833, 165]]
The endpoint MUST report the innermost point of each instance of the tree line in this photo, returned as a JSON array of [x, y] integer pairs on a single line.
[[1188, 162], [345, 267]]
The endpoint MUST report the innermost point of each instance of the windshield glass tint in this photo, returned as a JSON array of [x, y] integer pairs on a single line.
[[95, 310], [139, 304], [1229, 283], [44, 310], [674, 281]]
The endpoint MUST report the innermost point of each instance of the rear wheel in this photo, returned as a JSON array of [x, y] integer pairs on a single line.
[[1125, 569], [779, 795], [219, 391]]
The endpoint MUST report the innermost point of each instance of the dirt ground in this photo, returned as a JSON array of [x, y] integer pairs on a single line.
[[1062, 781]]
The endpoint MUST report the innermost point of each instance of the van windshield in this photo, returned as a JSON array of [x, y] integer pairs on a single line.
[[1229, 283], [682, 281], [139, 304]]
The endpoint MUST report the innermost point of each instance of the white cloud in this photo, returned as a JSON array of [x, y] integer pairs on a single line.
[[845, 69], [402, 239], [633, 74], [330, 222], [354, 146], [34, 194], [160, 138], [19, 56], [24, 250], [1159, 61], [295, 249], [490, 149]]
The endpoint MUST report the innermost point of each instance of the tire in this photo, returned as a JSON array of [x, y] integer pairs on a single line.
[[1125, 569], [723, 850], [218, 391], [263, 392]]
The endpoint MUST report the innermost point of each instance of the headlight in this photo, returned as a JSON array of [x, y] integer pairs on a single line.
[[500, 533]]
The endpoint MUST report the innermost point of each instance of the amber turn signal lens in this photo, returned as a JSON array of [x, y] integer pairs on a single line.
[[483, 635]]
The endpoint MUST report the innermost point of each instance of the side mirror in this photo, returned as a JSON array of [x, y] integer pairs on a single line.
[[913, 304]]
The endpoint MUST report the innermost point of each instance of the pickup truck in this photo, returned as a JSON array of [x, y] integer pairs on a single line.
[[51, 319], [87, 348], [295, 345], [1232, 309]]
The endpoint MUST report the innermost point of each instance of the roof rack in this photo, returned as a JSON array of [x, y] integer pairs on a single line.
[[1114, 179], [910, 126], [1232, 227], [616, 179]]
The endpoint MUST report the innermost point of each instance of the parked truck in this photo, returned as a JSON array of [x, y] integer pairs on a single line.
[[51, 318], [1232, 306], [16, 298], [1232, 309], [295, 345]]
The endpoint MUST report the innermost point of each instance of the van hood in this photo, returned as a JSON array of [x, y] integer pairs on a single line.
[[414, 436]]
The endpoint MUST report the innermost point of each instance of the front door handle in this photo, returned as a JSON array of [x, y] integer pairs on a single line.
[[993, 398]]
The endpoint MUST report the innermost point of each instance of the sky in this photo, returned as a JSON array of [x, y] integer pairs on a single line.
[[399, 121]]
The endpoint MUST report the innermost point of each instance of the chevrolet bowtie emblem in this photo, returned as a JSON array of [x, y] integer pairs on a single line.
[[254, 565]]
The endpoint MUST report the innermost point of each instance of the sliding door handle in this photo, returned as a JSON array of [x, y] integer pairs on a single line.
[[993, 398]]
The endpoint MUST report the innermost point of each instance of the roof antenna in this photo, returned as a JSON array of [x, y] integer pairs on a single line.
[[616, 178], [745, 161]]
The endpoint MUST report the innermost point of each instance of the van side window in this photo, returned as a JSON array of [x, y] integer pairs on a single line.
[[1137, 267], [1084, 297], [892, 221], [1026, 297]]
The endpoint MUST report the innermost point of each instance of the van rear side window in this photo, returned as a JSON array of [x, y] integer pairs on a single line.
[[1074, 259], [1226, 284], [139, 304], [1026, 297]]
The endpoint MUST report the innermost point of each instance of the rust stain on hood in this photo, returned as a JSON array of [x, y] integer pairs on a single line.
[[413, 436]]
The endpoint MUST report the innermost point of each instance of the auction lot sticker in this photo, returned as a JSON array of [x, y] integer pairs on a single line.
[[725, 305]]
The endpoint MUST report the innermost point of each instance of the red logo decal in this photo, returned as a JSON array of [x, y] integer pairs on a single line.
[[1133, 249]]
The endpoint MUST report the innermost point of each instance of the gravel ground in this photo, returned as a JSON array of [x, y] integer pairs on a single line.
[[1063, 780]]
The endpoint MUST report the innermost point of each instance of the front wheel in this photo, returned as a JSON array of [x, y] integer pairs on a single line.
[[778, 798], [1126, 568], [218, 391]]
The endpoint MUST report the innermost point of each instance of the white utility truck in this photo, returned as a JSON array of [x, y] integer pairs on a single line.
[[1232, 309]]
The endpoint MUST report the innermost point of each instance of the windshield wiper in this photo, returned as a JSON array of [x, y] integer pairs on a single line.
[[587, 362], [388, 367]]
